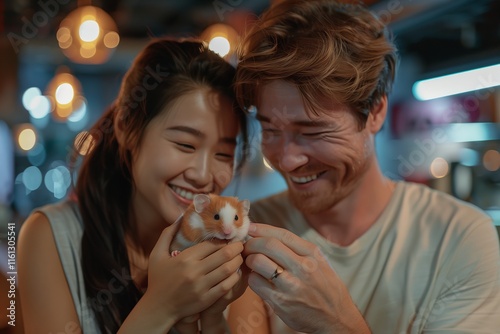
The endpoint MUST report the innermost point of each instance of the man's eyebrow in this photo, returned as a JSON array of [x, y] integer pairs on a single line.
[[199, 134], [304, 123]]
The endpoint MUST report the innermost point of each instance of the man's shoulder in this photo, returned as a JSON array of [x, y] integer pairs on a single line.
[[438, 213], [276, 208], [281, 199], [423, 197]]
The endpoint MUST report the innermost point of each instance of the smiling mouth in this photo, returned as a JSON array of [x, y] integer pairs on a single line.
[[305, 179], [186, 194]]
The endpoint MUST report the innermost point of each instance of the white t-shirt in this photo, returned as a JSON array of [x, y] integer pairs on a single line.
[[430, 264]]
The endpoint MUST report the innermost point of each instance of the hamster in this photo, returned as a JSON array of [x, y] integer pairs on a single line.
[[211, 217]]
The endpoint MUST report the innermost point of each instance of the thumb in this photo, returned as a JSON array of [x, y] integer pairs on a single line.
[[166, 237]]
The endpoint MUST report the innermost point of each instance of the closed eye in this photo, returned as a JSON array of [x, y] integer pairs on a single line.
[[271, 131], [185, 147], [314, 134], [225, 155]]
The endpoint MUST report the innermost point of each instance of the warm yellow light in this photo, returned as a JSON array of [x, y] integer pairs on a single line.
[[219, 45], [111, 40], [491, 160], [63, 35], [267, 164], [439, 168], [88, 35], [84, 142], [27, 139], [221, 38], [87, 52], [89, 31], [65, 93]]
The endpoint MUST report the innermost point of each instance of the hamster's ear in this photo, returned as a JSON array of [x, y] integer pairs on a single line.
[[246, 206], [201, 201]]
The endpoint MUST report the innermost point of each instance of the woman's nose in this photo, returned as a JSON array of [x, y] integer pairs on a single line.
[[199, 171]]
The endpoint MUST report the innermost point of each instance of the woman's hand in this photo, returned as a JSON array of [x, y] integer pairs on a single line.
[[212, 319], [184, 285]]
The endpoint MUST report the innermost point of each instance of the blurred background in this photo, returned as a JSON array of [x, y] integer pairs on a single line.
[[62, 62]]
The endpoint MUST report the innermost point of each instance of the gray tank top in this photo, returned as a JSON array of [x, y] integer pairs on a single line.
[[67, 227]]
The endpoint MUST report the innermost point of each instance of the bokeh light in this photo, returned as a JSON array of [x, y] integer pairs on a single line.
[[439, 168], [32, 178]]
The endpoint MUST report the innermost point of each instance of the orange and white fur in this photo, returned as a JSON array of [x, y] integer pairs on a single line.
[[212, 217]]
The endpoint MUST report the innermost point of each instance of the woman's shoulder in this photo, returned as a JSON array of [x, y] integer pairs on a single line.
[[36, 229], [56, 224], [63, 217], [42, 277]]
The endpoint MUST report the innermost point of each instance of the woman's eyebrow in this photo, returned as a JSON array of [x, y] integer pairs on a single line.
[[187, 129], [199, 134]]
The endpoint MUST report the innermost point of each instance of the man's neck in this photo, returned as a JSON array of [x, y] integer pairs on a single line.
[[354, 215]]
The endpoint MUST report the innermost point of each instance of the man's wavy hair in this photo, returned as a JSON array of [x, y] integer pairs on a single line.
[[330, 51]]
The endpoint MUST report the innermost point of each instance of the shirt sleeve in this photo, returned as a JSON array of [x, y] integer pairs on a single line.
[[469, 299]]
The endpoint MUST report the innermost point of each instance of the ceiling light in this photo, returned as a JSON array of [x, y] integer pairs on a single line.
[[88, 35], [457, 83], [222, 39]]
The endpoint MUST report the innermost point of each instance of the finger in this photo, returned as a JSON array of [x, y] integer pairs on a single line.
[[202, 250], [225, 285], [262, 287], [225, 270], [275, 250], [186, 326], [166, 237], [221, 256], [292, 241], [272, 292], [261, 265]]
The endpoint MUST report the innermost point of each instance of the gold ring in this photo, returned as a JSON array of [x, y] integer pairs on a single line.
[[276, 273]]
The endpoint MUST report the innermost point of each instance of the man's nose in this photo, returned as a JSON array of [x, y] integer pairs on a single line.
[[292, 156]]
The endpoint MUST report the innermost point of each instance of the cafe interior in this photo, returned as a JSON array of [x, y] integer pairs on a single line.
[[62, 62], [61, 70]]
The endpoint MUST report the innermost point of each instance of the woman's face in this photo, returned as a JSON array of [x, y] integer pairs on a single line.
[[187, 149]]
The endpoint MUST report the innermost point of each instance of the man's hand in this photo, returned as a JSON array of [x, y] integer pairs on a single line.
[[293, 277]]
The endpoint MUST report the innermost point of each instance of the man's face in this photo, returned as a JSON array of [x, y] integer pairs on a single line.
[[322, 157]]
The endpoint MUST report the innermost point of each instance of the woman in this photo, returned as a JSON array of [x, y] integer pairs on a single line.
[[171, 133]]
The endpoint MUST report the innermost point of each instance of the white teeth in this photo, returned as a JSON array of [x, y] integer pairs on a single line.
[[304, 179], [183, 193]]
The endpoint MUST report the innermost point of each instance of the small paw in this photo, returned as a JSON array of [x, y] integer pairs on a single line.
[[175, 253]]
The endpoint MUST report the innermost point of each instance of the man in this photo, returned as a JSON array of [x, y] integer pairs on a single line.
[[351, 251]]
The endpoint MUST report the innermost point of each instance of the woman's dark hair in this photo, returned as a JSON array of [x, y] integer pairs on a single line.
[[165, 70]]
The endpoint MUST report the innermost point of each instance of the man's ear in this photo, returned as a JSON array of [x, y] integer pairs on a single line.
[[376, 117]]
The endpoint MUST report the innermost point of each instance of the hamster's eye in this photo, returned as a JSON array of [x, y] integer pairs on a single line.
[[216, 217], [236, 217]]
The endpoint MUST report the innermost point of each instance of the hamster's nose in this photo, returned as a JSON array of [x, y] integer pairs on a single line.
[[227, 231]]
